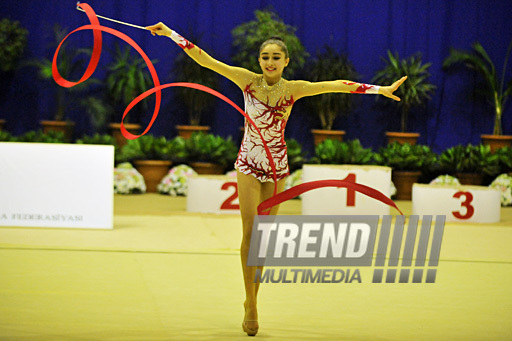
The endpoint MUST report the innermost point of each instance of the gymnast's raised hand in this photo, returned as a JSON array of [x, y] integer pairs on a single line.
[[160, 29], [388, 90]]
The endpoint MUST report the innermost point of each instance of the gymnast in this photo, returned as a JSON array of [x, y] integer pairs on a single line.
[[268, 101]]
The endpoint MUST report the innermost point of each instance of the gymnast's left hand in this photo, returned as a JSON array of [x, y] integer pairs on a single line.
[[159, 29], [388, 90]]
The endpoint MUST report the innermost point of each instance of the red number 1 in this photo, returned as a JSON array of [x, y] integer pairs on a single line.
[[351, 194], [470, 210]]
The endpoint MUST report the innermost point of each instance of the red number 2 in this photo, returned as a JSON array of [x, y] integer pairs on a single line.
[[228, 203], [351, 194], [470, 210]]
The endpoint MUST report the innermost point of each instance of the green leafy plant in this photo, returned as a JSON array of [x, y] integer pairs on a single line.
[[248, 37], [5, 136], [40, 137], [127, 77], [100, 139], [13, 39], [406, 157], [339, 153], [187, 70], [296, 156], [494, 87], [469, 159], [504, 159], [98, 110], [330, 65], [415, 91], [201, 147], [149, 147], [70, 63]]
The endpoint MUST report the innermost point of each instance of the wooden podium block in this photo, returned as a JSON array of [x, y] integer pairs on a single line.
[[336, 201], [213, 194], [477, 204]]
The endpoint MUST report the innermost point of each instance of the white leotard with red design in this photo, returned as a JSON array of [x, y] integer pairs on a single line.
[[270, 116]]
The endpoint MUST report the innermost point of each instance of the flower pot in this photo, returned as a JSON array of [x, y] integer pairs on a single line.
[[410, 138], [496, 141], [115, 131], [65, 127], [320, 135], [403, 181], [153, 172], [470, 178], [186, 131], [2, 122], [207, 168]]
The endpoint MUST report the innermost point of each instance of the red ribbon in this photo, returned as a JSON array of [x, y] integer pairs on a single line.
[[265, 206]]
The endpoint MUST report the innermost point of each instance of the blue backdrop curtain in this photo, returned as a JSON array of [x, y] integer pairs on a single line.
[[364, 30]]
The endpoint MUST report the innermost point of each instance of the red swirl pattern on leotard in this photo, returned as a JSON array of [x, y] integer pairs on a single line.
[[271, 121]]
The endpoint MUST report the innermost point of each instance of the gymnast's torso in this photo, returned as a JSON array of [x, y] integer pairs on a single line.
[[269, 107]]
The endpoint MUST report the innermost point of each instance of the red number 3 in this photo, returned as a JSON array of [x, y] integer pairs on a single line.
[[470, 210], [228, 203]]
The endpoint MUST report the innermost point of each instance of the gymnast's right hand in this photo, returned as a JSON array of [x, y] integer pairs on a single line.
[[159, 29]]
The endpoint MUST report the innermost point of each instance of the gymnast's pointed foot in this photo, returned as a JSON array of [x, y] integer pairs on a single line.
[[250, 323]]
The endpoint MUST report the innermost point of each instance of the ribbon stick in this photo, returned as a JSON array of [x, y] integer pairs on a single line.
[[113, 20], [264, 207]]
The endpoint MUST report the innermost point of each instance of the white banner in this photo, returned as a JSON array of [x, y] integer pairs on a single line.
[[56, 185]]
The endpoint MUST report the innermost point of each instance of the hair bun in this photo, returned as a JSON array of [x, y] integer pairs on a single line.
[[276, 38]]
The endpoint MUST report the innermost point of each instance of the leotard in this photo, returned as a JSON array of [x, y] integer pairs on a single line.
[[268, 107]]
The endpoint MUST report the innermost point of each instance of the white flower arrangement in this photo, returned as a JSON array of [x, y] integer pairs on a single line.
[[293, 180], [392, 190], [176, 181], [231, 173], [127, 180], [504, 184], [445, 180]]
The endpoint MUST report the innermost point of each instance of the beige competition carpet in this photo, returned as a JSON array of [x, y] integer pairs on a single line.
[[165, 274]]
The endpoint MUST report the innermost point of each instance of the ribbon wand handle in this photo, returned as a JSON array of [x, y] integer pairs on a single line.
[[113, 20]]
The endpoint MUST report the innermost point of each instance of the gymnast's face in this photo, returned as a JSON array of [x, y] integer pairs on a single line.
[[272, 62]]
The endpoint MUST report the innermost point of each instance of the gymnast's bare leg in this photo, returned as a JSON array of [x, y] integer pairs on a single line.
[[251, 193]]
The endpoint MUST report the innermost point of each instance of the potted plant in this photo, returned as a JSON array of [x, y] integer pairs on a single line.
[[101, 139], [127, 77], [342, 153], [329, 65], [99, 112], [416, 91], [210, 154], [41, 137], [495, 89], [5, 136], [186, 69], [407, 161], [469, 163], [70, 64], [504, 155], [296, 156], [152, 157], [13, 39], [247, 38]]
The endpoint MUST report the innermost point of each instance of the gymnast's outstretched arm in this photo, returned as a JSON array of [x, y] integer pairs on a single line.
[[237, 75], [304, 88]]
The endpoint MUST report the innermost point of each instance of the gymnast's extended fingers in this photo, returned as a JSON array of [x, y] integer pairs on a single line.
[[159, 29], [399, 82]]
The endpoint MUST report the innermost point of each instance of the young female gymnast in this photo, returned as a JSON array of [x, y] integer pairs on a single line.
[[268, 101]]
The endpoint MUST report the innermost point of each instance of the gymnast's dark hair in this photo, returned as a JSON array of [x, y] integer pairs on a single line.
[[278, 41]]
